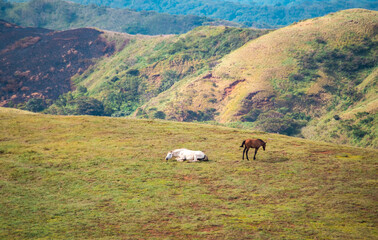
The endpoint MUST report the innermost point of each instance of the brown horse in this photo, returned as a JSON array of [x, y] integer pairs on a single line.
[[252, 143]]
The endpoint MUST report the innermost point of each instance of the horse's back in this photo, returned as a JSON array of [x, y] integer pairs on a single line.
[[254, 142], [177, 152], [190, 154]]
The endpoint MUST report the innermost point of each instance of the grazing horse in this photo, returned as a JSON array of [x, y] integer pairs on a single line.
[[185, 154], [252, 143]]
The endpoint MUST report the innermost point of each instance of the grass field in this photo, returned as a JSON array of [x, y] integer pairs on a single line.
[[82, 177]]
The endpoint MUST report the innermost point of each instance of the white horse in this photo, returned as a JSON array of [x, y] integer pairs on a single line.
[[183, 154], [174, 153]]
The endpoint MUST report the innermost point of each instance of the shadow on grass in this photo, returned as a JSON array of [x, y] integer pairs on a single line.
[[274, 159], [177, 162]]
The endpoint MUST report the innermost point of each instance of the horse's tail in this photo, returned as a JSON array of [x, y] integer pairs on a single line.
[[205, 158], [243, 143]]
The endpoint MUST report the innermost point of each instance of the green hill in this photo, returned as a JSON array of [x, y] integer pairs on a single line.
[[84, 177], [320, 73], [62, 15], [150, 66]]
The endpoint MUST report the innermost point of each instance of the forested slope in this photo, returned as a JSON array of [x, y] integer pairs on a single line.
[[62, 15], [263, 14]]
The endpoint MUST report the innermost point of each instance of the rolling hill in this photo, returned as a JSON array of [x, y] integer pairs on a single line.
[[315, 79], [85, 177], [320, 73], [149, 67]]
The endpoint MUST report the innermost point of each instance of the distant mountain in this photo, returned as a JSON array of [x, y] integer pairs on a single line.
[[256, 13], [62, 15]]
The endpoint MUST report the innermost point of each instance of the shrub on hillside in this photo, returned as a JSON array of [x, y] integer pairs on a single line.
[[77, 104], [88, 106], [251, 116], [169, 78], [207, 115], [284, 125], [35, 105], [160, 115], [275, 122]]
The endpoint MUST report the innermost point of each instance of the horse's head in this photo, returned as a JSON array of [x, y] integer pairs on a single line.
[[169, 156], [264, 144]]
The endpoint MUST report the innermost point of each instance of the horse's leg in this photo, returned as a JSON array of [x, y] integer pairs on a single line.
[[246, 153], [254, 157], [245, 148], [180, 158], [193, 160]]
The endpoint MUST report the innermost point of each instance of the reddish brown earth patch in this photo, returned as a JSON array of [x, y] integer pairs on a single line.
[[36, 62], [211, 228], [257, 100], [231, 87], [208, 76], [185, 177]]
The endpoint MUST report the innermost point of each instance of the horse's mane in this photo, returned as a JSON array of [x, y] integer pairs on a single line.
[[261, 140]]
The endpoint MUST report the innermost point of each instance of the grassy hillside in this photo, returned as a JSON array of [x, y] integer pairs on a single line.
[[149, 66], [62, 15], [83, 177], [302, 74], [316, 78]]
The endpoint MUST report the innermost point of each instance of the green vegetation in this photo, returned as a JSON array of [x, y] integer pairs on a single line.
[[35, 105], [310, 79], [255, 13], [149, 66], [76, 104], [83, 177], [169, 78], [359, 130], [292, 80], [345, 64], [60, 15], [302, 79], [345, 67]]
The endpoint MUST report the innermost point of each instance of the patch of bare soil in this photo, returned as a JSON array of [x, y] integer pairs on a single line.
[[40, 63], [228, 90]]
